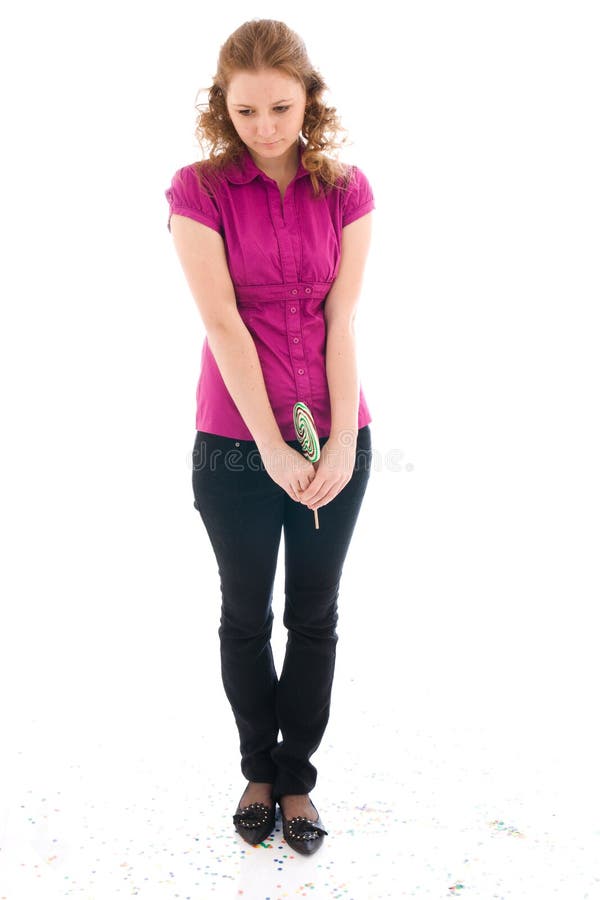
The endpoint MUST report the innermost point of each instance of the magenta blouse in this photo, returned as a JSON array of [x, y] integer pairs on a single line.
[[283, 260]]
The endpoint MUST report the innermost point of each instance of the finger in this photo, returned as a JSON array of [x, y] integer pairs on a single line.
[[323, 495], [312, 489], [316, 499], [319, 502], [305, 483], [295, 493]]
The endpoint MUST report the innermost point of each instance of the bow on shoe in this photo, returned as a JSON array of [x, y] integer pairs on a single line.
[[252, 816], [304, 829]]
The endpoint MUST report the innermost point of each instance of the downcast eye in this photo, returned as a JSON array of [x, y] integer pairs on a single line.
[[279, 108]]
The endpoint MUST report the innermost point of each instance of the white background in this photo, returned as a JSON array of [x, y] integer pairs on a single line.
[[472, 580]]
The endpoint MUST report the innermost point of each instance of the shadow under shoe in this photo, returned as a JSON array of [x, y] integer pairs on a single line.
[[254, 822]]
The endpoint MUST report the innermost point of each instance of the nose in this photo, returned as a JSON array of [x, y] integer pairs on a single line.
[[266, 129]]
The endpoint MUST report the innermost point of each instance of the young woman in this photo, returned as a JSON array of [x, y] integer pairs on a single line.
[[273, 235]]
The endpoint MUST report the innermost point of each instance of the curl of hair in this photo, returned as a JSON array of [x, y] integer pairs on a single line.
[[257, 45]]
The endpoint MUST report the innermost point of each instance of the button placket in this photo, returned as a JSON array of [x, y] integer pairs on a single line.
[[297, 353], [282, 232]]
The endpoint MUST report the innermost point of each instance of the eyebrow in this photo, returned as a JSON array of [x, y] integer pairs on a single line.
[[285, 100]]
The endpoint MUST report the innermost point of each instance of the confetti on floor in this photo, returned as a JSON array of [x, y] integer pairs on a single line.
[[413, 811]]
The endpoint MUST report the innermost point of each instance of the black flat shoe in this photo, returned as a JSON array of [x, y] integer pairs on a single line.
[[303, 834], [254, 822]]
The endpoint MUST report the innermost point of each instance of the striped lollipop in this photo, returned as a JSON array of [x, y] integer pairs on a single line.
[[306, 432]]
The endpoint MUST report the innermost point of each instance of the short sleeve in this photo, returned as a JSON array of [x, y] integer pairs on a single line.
[[357, 197], [186, 197]]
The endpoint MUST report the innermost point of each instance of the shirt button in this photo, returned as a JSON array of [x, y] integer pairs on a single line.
[[292, 309], [294, 291], [296, 340], [300, 371], [308, 290]]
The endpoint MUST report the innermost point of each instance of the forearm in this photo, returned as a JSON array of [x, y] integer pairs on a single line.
[[342, 379], [235, 353]]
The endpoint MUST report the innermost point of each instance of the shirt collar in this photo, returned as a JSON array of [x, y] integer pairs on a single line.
[[244, 169]]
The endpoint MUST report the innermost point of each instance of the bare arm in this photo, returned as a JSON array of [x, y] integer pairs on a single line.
[[201, 252], [340, 313], [342, 379], [235, 352]]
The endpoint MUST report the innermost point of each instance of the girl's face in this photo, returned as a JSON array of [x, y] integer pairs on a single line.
[[267, 111]]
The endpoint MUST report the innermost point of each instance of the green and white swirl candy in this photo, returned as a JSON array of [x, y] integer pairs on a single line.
[[306, 431]]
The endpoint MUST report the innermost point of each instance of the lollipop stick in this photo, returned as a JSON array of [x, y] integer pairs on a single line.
[[316, 512]]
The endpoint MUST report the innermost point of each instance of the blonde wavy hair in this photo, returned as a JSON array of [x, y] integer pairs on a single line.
[[269, 44]]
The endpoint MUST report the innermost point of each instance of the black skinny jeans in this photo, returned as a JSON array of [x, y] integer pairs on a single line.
[[243, 511]]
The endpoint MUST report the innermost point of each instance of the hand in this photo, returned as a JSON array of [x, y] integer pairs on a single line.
[[289, 469], [334, 470]]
